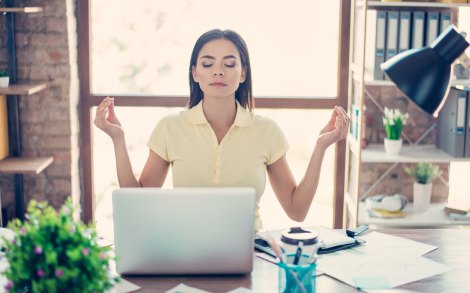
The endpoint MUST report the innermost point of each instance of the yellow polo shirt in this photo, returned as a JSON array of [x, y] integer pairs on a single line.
[[187, 141]]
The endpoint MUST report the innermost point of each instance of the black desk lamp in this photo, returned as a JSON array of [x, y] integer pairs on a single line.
[[423, 74]]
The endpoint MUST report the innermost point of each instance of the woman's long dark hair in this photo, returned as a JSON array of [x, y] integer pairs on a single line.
[[243, 93]]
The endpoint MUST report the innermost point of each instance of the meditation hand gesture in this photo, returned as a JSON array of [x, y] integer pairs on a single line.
[[106, 119], [336, 129]]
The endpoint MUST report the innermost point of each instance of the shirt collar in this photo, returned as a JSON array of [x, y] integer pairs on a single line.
[[196, 115]]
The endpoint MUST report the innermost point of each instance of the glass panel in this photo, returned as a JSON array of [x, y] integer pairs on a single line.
[[301, 139], [143, 47]]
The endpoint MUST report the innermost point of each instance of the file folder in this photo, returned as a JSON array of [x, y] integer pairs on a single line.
[[417, 35], [467, 130], [451, 124], [432, 26], [375, 44], [404, 33], [445, 21], [392, 34], [4, 144]]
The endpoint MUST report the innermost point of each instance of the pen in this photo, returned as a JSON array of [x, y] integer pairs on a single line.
[[298, 253], [277, 250], [316, 247]]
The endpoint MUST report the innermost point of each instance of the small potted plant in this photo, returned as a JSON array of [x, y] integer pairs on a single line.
[[423, 174], [393, 120], [4, 78], [50, 252]]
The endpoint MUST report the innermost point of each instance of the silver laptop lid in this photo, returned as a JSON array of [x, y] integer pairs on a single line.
[[184, 230]]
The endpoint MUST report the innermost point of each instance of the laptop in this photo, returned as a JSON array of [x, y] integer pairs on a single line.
[[184, 230]]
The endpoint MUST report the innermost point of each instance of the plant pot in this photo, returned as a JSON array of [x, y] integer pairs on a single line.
[[421, 196], [393, 146], [4, 81]]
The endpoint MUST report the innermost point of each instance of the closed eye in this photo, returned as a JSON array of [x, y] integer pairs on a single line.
[[206, 65]]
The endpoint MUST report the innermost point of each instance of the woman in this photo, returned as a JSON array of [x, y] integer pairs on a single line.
[[218, 140]]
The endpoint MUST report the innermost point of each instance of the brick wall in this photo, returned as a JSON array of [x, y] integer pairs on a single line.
[[47, 51]]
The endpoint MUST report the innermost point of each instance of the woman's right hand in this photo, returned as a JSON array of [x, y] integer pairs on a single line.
[[106, 119]]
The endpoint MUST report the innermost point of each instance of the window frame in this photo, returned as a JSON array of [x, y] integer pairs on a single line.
[[89, 100]]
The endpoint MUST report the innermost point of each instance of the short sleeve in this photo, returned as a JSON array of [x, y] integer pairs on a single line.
[[278, 143], [158, 141]]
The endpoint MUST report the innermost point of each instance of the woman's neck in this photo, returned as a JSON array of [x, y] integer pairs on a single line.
[[220, 113]]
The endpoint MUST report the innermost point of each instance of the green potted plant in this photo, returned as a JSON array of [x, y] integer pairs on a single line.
[[50, 252], [393, 120], [4, 78], [423, 174]]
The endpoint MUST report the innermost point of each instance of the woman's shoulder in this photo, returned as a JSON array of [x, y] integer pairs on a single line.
[[264, 122], [173, 117]]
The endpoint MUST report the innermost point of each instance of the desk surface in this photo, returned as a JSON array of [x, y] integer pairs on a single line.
[[453, 251]]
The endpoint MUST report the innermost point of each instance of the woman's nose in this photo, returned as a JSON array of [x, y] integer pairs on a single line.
[[218, 72]]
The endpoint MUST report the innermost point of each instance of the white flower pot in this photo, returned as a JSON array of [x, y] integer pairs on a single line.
[[393, 146], [421, 196], [4, 81]]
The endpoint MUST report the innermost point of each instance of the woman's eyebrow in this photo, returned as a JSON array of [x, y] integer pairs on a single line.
[[213, 58]]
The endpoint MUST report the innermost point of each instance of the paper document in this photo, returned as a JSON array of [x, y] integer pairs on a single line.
[[383, 262], [182, 288], [372, 271], [377, 242]]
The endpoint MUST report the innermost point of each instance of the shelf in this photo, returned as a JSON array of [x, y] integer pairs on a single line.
[[455, 82], [417, 4], [24, 165], [434, 216], [375, 153], [21, 9], [23, 89]]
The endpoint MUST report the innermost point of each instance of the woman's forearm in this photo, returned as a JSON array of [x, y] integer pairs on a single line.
[[303, 194], [125, 174]]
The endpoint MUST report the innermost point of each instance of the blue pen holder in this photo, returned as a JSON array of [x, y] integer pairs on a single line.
[[297, 278]]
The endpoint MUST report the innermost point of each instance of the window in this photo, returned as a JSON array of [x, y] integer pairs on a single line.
[[139, 53], [143, 47]]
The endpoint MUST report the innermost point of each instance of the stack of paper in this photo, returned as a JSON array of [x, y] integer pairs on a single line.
[[383, 262]]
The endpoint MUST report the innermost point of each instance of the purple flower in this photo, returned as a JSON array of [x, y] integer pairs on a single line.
[[9, 285], [41, 273], [66, 210], [86, 251], [38, 250], [102, 256], [72, 229], [59, 273], [22, 231]]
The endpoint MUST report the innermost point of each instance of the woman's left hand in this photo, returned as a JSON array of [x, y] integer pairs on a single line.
[[336, 129]]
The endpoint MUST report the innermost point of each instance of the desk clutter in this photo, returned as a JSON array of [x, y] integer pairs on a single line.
[[380, 262], [386, 206]]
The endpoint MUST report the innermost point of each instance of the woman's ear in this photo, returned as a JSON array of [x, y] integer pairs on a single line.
[[243, 75], [193, 72]]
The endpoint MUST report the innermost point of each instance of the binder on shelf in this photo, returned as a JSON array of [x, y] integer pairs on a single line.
[[4, 147], [445, 21], [392, 34], [375, 44], [404, 33], [451, 124], [354, 121], [432, 26], [417, 34], [467, 130]]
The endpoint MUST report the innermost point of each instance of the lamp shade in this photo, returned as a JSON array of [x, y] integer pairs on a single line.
[[423, 74]]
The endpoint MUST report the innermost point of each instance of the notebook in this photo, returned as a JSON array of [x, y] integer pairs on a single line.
[[333, 240], [184, 230]]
